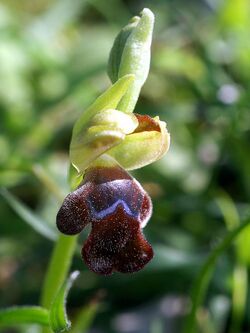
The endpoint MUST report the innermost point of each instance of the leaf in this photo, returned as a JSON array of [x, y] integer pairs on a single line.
[[201, 283], [24, 315], [28, 216], [232, 220], [106, 101], [59, 321], [85, 317]]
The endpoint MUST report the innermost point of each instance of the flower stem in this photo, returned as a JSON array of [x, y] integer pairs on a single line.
[[200, 286], [58, 269]]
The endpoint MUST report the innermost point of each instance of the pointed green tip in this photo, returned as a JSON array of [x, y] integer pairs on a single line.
[[146, 24], [147, 19], [148, 13]]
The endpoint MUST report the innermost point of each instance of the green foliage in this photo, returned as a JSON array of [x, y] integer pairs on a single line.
[[201, 283], [24, 315]]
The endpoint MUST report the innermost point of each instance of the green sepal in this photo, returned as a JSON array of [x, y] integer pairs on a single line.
[[105, 130], [142, 148], [118, 47], [135, 58], [88, 143], [58, 318]]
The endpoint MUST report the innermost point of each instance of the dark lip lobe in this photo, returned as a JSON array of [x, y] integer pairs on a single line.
[[116, 205]]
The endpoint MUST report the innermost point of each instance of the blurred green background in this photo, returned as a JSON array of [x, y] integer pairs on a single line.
[[53, 56]]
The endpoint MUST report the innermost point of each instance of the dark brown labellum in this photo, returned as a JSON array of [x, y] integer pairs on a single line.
[[117, 207]]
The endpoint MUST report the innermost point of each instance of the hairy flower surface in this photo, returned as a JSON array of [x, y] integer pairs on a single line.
[[118, 208]]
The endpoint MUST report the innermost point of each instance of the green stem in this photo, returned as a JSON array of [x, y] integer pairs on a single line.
[[200, 286], [63, 252], [24, 315], [58, 269]]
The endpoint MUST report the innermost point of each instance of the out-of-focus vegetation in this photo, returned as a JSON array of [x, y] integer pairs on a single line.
[[53, 56]]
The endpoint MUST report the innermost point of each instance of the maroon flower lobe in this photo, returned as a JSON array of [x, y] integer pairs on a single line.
[[117, 207]]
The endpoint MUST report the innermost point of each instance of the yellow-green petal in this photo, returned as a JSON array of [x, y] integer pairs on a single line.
[[80, 155], [142, 148], [105, 130]]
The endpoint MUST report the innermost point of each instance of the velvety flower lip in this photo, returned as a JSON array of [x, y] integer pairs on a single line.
[[74, 215], [116, 244], [118, 208]]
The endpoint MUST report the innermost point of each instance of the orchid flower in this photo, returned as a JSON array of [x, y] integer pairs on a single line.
[[107, 140]]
